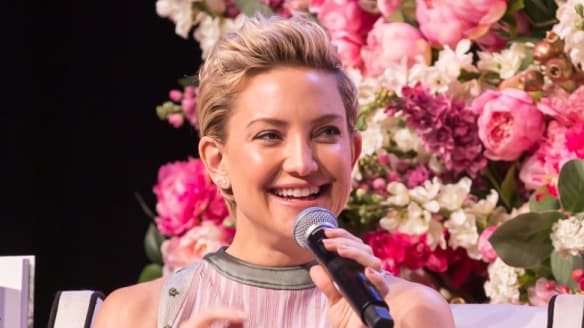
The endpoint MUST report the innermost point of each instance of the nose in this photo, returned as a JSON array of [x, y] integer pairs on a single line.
[[299, 158]]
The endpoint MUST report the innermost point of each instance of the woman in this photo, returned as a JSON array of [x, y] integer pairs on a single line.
[[277, 117]]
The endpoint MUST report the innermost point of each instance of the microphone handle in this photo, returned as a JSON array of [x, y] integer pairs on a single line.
[[352, 283]]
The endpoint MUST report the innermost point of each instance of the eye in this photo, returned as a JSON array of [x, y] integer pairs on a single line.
[[268, 136], [329, 131]]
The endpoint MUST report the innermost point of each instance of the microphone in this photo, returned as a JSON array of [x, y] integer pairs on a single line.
[[347, 275]]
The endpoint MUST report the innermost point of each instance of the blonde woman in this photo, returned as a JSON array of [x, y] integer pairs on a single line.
[[277, 122]]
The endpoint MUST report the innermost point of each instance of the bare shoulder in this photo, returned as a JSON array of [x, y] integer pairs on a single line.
[[416, 305], [132, 306]]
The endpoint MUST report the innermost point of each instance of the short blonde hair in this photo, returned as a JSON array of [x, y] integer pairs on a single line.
[[260, 45]]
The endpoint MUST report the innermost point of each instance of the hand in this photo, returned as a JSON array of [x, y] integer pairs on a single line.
[[234, 317], [341, 314]]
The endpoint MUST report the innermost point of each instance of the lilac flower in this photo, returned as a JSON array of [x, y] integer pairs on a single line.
[[447, 128]]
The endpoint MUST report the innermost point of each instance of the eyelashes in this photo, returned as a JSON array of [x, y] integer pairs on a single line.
[[327, 133]]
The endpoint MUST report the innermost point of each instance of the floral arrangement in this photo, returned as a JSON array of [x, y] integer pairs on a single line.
[[472, 116]]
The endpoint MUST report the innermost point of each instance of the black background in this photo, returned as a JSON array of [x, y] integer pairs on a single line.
[[79, 136]]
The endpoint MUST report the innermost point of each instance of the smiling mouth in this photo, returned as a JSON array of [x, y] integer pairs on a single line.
[[308, 193]]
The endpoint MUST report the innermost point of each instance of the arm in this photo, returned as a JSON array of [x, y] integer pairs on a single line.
[[133, 306], [414, 305]]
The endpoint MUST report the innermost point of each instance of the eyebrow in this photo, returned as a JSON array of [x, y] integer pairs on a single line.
[[281, 123]]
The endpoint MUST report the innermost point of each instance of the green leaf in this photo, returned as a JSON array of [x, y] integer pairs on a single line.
[[525, 240], [150, 272], [509, 186], [253, 7], [546, 203], [514, 6], [571, 186], [562, 268], [152, 242]]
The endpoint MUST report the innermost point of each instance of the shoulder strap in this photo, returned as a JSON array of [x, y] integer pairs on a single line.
[[566, 311], [174, 293]]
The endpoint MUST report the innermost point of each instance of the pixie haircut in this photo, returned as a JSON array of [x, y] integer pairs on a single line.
[[260, 45]]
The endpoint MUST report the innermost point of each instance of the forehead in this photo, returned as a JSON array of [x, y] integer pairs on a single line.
[[289, 92]]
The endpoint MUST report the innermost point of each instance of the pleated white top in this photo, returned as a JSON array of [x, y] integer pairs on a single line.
[[270, 297]]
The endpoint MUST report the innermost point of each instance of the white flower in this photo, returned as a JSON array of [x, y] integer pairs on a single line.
[[406, 140], [426, 194], [371, 139], [463, 232], [417, 221], [506, 63], [503, 285], [451, 62], [414, 220], [211, 29], [180, 12], [436, 235], [568, 236], [399, 192], [452, 196], [567, 29], [484, 207]]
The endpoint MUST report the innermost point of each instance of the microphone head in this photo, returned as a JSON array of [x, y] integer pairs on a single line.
[[310, 219]]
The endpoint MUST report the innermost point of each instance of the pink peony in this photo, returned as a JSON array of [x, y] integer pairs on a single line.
[[186, 196], [485, 248], [560, 145], [348, 47], [178, 252], [445, 22], [343, 16], [509, 123], [388, 7], [388, 43], [541, 293], [562, 106]]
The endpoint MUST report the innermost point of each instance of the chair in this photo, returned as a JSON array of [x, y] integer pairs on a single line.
[[76, 309]]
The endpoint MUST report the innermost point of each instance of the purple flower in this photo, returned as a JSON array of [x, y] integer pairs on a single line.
[[447, 128]]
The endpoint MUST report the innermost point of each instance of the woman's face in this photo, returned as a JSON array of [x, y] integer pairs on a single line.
[[288, 147]]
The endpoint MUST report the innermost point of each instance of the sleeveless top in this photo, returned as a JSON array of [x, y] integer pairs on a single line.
[[269, 296]]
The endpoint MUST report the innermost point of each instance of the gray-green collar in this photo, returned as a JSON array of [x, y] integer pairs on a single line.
[[286, 278]]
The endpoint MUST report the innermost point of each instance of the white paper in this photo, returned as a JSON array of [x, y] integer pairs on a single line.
[[16, 291]]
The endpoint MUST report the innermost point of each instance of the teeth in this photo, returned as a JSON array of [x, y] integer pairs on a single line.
[[297, 192]]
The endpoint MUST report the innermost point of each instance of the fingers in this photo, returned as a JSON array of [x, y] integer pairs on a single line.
[[346, 245], [377, 278], [234, 317], [323, 282]]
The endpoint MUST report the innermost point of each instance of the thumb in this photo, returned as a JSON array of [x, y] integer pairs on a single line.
[[323, 281]]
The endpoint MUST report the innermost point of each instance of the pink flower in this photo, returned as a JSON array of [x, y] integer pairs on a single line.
[[349, 49], [445, 22], [343, 16], [562, 106], [186, 196], [388, 7], [509, 123], [388, 43], [178, 252], [541, 293], [447, 128], [175, 95], [417, 176], [176, 120], [189, 103], [560, 145], [485, 248]]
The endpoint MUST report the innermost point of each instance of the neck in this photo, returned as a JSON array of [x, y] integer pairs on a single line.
[[260, 250]]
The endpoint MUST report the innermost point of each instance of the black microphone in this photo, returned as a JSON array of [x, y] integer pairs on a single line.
[[347, 275]]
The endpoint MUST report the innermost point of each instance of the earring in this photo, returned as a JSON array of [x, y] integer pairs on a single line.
[[221, 181]]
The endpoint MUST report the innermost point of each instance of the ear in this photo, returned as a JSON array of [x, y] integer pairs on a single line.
[[211, 153], [356, 147]]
